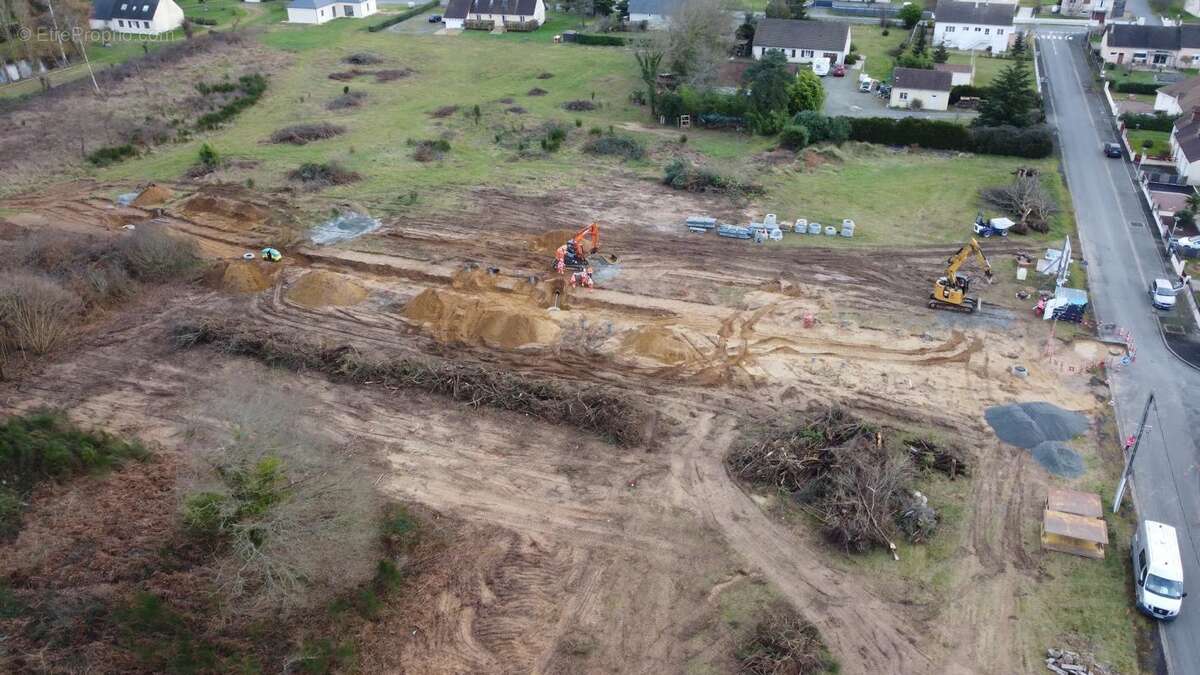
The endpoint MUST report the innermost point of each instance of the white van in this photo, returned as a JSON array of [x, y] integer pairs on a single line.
[[1157, 570], [820, 66]]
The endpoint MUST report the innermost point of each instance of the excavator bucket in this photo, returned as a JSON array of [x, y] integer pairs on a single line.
[[603, 269]]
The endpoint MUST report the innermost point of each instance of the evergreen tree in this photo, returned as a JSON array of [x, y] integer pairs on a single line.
[[919, 44], [806, 92], [623, 9], [1018, 47], [797, 9], [768, 80], [941, 54], [746, 30], [1010, 100], [778, 9]]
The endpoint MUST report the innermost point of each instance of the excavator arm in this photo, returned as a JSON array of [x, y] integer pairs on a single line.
[[590, 232], [956, 261]]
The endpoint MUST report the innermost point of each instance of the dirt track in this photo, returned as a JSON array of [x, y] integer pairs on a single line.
[[571, 535]]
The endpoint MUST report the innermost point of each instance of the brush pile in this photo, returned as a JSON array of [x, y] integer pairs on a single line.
[[783, 643], [839, 468], [609, 413]]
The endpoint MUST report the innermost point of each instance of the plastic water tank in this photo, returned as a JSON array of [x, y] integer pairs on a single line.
[[814, 228], [847, 228], [770, 220], [830, 231], [801, 226], [776, 234]]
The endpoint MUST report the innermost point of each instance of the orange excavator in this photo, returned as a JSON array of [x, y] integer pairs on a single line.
[[572, 255]]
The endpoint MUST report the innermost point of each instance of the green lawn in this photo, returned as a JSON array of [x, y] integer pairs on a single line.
[[556, 23], [1160, 142], [874, 45], [986, 67]]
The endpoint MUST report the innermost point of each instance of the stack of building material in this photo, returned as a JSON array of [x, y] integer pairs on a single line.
[[734, 232], [1073, 522], [701, 223]]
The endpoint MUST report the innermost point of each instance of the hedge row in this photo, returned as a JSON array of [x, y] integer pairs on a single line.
[[961, 91], [1032, 142], [1156, 122], [404, 16], [600, 40], [1138, 87]]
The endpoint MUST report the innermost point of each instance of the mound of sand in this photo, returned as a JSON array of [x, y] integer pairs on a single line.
[[325, 289], [453, 317], [659, 343], [474, 280], [154, 195], [244, 276], [243, 215]]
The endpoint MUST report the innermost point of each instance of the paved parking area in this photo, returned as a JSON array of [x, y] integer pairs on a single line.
[[418, 25], [842, 97]]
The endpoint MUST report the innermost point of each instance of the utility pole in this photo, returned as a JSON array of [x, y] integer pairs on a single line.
[[1131, 449], [57, 34]]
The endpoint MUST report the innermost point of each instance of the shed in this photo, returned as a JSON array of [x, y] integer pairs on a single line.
[[1074, 534]]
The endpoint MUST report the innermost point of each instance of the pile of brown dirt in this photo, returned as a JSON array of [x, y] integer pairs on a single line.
[[204, 207], [154, 195], [244, 276], [550, 241], [474, 280], [324, 289], [450, 316], [661, 344]]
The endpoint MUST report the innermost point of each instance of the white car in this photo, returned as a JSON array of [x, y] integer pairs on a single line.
[[1162, 294], [1157, 570]]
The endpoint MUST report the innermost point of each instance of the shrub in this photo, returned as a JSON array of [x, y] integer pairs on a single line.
[[599, 40], [555, 135], [595, 131], [1031, 142], [301, 134], [111, 155], [251, 88], [620, 146], [209, 158], [793, 137], [1156, 122], [428, 151], [36, 314], [202, 21], [823, 129], [315, 174], [851, 59], [916, 104], [960, 91], [1138, 87], [683, 175], [783, 642], [403, 16], [152, 254]]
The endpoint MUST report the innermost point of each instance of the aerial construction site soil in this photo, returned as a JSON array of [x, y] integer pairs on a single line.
[[568, 552]]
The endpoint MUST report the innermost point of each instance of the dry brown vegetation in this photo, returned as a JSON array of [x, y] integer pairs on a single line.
[[302, 134]]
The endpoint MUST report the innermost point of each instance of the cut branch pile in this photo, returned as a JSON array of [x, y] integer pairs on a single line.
[[840, 469], [606, 412], [949, 459], [783, 643]]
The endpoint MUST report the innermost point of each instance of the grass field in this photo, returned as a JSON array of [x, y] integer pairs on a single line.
[[1160, 142], [986, 67], [874, 45]]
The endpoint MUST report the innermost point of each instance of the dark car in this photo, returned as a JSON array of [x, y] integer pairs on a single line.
[[1112, 150], [435, 18], [838, 71]]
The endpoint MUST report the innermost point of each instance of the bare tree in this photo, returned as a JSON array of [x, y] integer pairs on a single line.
[[294, 506], [1026, 200], [698, 41]]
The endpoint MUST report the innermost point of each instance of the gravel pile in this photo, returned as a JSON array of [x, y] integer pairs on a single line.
[[1026, 425], [1058, 459]]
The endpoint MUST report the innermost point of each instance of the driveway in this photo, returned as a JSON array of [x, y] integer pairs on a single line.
[[1121, 261], [418, 25], [842, 97]]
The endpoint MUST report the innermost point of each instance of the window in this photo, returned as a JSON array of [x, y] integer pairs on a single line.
[[145, 8], [793, 53], [904, 96], [949, 29], [146, 24], [1142, 560], [120, 23], [977, 29], [806, 53], [999, 31], [1160, 58], [987, 31], [124, 7]]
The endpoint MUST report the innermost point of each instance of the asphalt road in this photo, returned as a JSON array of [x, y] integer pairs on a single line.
[[1121, 261], [1135, 9]]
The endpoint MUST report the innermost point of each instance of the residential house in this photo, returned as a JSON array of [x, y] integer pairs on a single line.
[[803, 41], [986, 26], [1174, 98], [960, 73], [499, 12], [1151, 46], [919, 88], [144, 17], [656, 13], [1095, 10], [1185, 146], [321, 11]]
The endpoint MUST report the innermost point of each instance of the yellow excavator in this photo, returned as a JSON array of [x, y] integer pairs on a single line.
[[950, 291]]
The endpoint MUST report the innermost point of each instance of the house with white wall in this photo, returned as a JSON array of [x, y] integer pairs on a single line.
[[960, 73], [499, 12], [321, 11], [803, 41], [1176, 97], [1185, 146], [921, 89], [966, 26], [142, 17], [656, 13], [1151, 46]]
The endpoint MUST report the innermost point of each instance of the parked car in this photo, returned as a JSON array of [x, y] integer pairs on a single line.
[[1162, 295], [838, 71], [1185, 247], [1112, 150], [1157, 570], [820, 66], [435, 18]]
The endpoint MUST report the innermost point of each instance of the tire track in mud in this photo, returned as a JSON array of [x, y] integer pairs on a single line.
[[861, 630]]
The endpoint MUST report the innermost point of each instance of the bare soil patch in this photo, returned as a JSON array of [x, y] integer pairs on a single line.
[[303, 134]]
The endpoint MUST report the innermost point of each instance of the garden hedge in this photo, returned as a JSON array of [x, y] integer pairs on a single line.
[[404, 16]]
